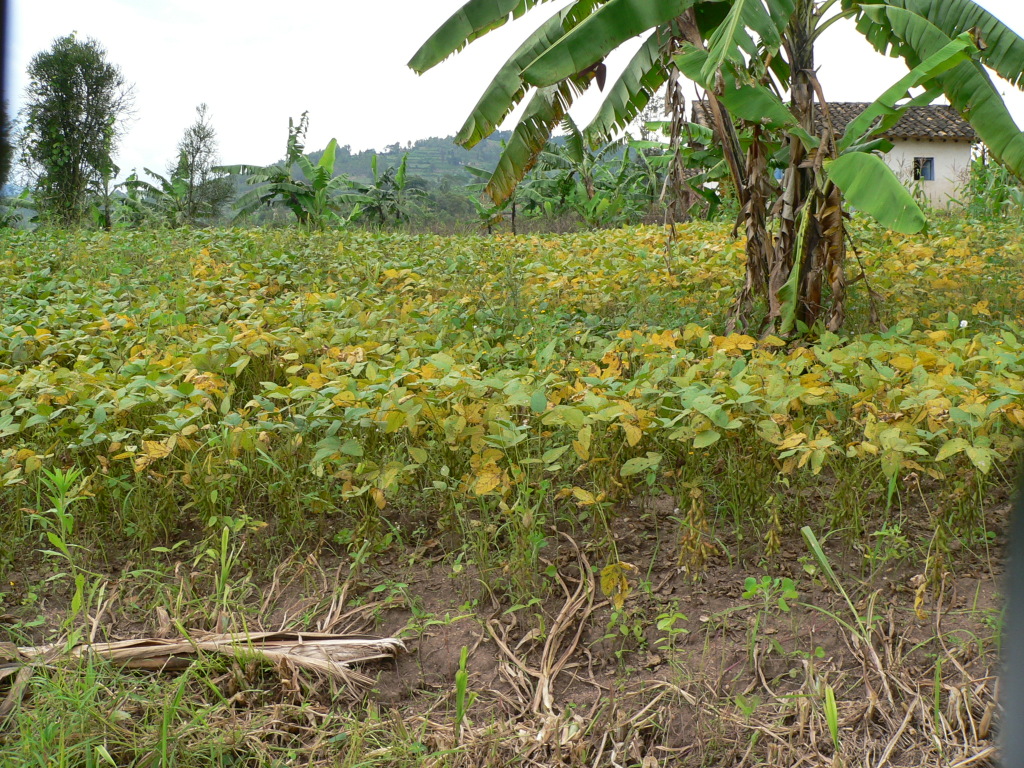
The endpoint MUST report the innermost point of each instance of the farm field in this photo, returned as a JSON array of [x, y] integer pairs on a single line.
[[607, 531]]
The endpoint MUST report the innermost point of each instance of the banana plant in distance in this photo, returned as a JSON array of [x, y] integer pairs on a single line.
[[314, 199], [745, 53]]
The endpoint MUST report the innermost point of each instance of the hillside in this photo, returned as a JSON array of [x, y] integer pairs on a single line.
[[433, 158]]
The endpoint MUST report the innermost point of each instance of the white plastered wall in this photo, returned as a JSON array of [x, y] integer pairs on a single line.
[[952, 162]]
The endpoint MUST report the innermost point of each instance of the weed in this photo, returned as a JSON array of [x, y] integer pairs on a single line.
[[832, 716], [668, 623], [863, 625], [462, 701]]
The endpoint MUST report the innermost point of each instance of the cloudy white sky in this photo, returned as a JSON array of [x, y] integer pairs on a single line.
[[257, 62]]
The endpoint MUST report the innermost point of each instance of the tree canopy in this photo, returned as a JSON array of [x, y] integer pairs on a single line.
[[75, 102]]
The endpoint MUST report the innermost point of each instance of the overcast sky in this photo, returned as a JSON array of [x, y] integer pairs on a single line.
[[258, 62]]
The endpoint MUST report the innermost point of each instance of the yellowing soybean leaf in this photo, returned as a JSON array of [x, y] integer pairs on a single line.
[[902, 362], [817, 459], [633, 433], [615, 583], [734, 342], [582, 443], [980, 457], [394, 421], [419, 455], [378, 498], [584, 436], [694, 331], [487, 479], [154, 449], [792, 441], [343, 398], [892, 461], [584, 497], [666, 339], [951, 447]]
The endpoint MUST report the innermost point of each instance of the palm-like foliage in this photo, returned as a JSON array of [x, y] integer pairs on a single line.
[[314, 199], [745, 53], [166, 200], [575, 158], [571, 176], [388, 197], [489, 213]]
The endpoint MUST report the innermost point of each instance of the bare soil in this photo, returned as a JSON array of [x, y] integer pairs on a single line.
[[569, 680]]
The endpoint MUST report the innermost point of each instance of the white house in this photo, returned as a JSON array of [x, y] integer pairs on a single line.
[[931, 148], [931, 145]]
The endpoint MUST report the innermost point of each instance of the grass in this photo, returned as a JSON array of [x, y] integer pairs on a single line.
[[263, 429]]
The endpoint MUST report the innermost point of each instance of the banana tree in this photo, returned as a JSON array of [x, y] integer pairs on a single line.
[[314, 199], [575, 159], [167, 200], [489, 214], [389, 197], [694, 155], [745, 54]]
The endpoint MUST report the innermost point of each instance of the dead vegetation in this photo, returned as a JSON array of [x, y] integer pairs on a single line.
[[884, 680]]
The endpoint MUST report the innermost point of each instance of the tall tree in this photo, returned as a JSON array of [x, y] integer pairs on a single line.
[[205, 189], [745, 53], [75, 101]]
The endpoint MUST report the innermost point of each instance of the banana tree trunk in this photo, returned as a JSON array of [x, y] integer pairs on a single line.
[[830, 263], [806, 251], [798, 179]]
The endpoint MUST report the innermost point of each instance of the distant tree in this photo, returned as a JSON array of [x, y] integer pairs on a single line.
[[75, 101], [205, 190]]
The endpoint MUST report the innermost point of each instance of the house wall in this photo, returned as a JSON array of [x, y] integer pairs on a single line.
[[952, 162]]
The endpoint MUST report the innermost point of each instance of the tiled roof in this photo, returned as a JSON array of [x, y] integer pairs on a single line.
[[931, 123]]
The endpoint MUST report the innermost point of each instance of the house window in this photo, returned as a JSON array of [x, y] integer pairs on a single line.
[[924, 169]]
